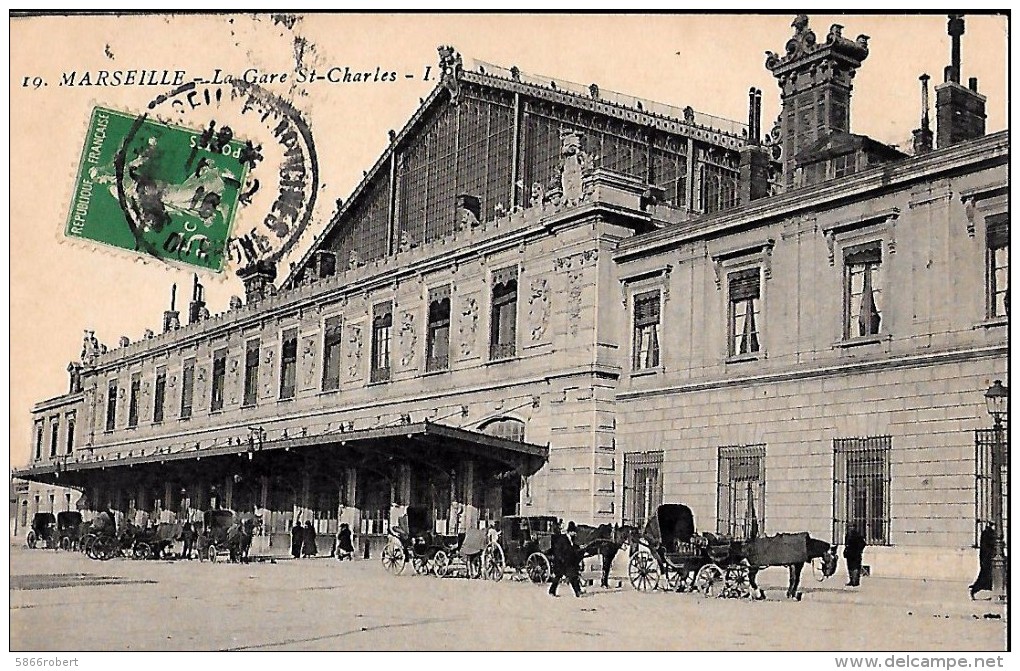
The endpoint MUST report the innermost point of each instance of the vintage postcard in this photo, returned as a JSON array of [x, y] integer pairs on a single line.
[[510, 332]]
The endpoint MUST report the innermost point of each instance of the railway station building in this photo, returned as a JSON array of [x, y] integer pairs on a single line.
[[546, 298]]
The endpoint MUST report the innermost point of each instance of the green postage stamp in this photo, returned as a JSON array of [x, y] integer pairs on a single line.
[[157, 189]]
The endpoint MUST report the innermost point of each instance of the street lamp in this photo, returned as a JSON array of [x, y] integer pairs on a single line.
[[997, 400]]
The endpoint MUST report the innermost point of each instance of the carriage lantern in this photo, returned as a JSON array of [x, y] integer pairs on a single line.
[[997, 400]]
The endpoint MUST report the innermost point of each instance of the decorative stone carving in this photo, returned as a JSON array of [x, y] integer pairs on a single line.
[[451, 65], [235, 303], [537, 194], [308, 361], [268, 373], [353, 262], [149, 335], [408, 339], [354, 347], [89, 349], [575, 165], [538, 308], [575, 288], [468, 326]]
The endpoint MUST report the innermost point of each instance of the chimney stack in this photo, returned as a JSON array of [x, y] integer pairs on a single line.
[[960, 110], [754, 159], [258, 280], [197, 302], [923, 136], [171, 317]]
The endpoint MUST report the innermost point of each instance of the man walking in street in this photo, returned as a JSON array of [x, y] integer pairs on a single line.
[[566, 560], [853, 552]]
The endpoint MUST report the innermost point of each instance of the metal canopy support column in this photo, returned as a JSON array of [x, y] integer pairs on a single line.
[[467, 475]]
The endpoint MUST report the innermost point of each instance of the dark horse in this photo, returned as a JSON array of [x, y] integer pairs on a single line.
[[239, 537], [604, 540], [787, 550]]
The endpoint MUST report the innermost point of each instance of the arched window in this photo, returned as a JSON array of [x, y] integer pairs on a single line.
[[504, 427]]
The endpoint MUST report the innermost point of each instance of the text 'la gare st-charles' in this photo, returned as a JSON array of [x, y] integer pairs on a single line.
[[334, 75]]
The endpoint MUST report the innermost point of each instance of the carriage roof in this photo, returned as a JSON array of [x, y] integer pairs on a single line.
[[671, 522], [219, 518], [69, 518], [43, 519], [416, 519]]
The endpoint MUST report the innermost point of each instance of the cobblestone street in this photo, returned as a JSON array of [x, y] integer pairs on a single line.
[[324, 605]]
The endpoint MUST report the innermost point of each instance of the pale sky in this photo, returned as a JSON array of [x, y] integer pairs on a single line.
[[707, 62]]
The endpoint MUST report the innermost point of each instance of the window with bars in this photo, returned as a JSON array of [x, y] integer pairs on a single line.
[[69, 445], [332, 336], [984, 443], [54, 436], [382, 328], [187, 387], [718, 188], [646, 330], [288, 364], [136, 390], [642, 486], [861, 488], [159, 395], [862, 300], [111, 405], [437, 355], [997, 235], [745, 311], [503, 318], [251, 372], [741, 493], [219, 376]]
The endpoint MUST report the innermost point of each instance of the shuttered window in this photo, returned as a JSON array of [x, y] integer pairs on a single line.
[[288, 364], [251, 372], [187, 388], [646, 330], [437, 355], [382, 327], [111, 405], [503, 320], [331, 354], [219, 376], [136, 390], [159, 395]]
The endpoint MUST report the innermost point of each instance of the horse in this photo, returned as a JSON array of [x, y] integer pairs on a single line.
[[604, 540], [816, 549], [239, 538]]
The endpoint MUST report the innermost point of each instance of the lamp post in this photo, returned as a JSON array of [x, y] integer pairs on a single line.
[[997, 400]]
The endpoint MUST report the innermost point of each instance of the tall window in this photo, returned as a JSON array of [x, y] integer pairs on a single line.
[[187, 387], [111, 405], [863, 293], [288, 364], [437, 355], [998, 265], [159, 395], [251, 372], [503, 329], [331, 354], [136, 391], [69, 446], [646, 330], [382, 327], [219, 376], [54, 431], [745, 311], [741, 503], [861, 488], [38, 440], [642, 486]]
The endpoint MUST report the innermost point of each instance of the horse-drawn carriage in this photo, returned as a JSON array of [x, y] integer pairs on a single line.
[[669, 554], [69, 529], [225, 534], [155, 542], [471, 553], [526, 542], [43, 530]]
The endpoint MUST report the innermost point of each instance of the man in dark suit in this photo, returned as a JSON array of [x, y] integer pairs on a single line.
[[566, 558]]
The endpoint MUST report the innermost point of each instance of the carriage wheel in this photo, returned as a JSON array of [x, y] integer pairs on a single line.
[[211, 552], [105, 548], [393, 559], [420, 564], [86, 543], [676, 579], [710, 580], [738, 581], [141, 551], [493, 562], [65, 543], [440, 563], [643, 571], [538, 567], [30, 540]]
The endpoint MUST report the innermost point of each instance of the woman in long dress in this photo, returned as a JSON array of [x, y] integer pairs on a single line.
[[986, 550], [308, 549], [297, 539]]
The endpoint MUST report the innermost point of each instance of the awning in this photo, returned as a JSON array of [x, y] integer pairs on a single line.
[[419, 442]]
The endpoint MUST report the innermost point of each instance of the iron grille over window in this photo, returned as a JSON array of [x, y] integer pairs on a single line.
[[54, 432], [159, 395], [745, 311], [503, 322], [861, 488], [251, 372], [646, 330], [219, 376], [984, 442], [288, 364], [187, 388], [382, 327], [136, 390], [437, 356], [331, 354], [111, 405], [998, 265], [642, 486], [741, 501], [863, 292]]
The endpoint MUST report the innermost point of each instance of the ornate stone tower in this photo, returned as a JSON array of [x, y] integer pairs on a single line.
[[815, 81]]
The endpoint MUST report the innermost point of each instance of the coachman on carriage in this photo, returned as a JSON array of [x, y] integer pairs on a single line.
[[472, 553]]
